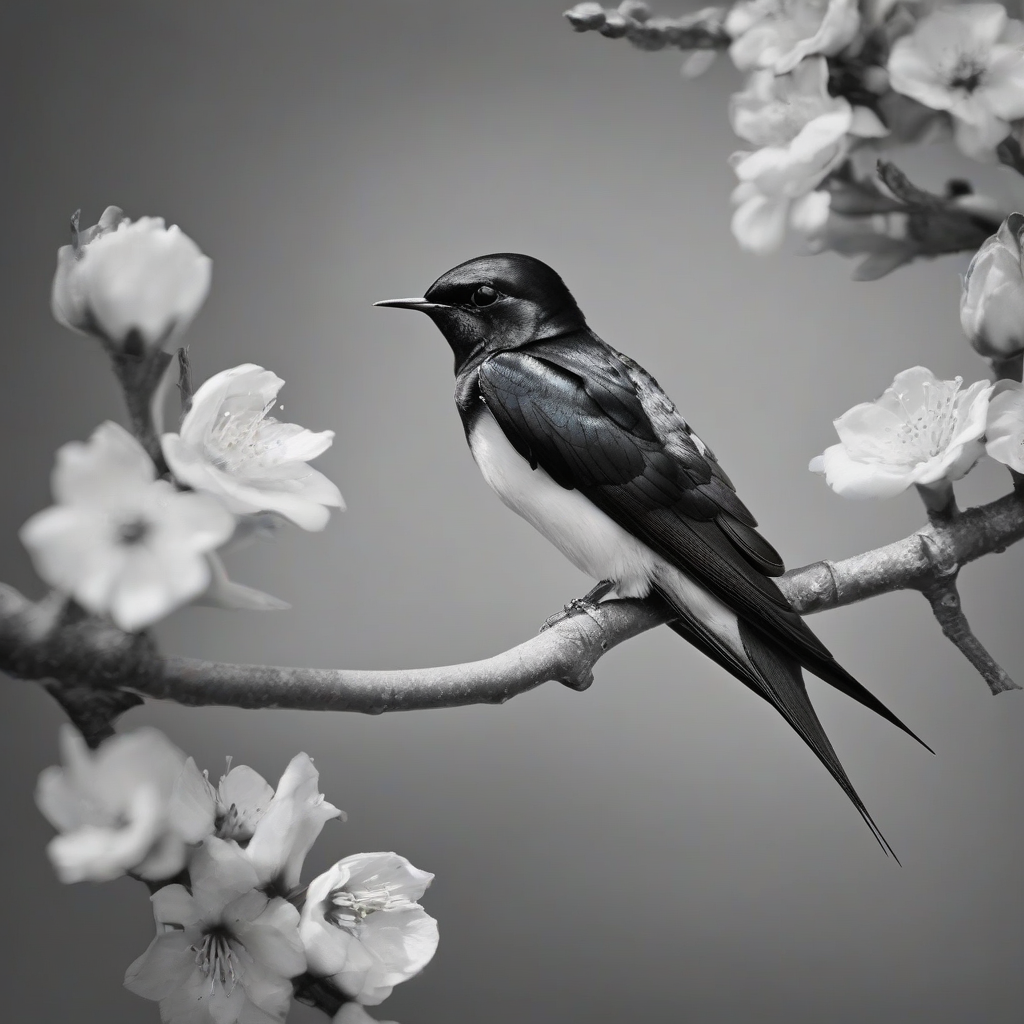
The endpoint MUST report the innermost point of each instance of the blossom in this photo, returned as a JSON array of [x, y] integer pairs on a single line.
[[363, 927], [121, 278], [118, 540], [285, 832], [134, 804], [969, 61], [921, 431], [992, 302], [804, 134], [223, 952], [276, 828], [779, 34], [231, 447], [1005, 429]]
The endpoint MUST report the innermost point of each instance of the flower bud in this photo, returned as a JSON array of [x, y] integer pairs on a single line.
[[586, 15], [134, 284], [992, 303]]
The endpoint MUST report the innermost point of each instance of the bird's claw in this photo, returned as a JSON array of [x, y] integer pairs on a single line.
[[586, 604]]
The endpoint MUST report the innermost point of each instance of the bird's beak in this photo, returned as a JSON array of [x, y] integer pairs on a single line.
[[421, 304]]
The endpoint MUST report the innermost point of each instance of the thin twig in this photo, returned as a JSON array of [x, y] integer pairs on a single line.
[[701, 30], [139, 372], [944, 598], [185, 390]]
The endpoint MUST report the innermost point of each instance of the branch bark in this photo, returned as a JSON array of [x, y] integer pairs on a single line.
[[36, 644]]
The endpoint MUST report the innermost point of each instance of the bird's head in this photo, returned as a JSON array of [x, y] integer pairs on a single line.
[[497, 302]]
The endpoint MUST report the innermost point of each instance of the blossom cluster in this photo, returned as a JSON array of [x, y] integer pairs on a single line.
[[829, 78], [930, 432], [134, 534], [235, 928], [832, 82]]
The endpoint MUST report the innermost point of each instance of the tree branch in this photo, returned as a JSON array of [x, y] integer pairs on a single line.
[[36, 645], [633, 20]]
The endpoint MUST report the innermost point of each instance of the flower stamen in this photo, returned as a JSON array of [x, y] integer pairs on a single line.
[[348, 910], [216, 959]]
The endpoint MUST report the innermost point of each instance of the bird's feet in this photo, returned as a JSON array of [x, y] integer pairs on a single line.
[[587, 604]]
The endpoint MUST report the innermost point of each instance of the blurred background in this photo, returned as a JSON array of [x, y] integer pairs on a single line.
[[661, 846]]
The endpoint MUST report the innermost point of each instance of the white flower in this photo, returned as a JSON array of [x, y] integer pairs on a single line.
[[231, 447], [363, 927], [122, 277], [921, 431], [285, 832], [1005, 428], [804, 134], [223, 953], [992, 302], [778, 34], [134, 804], [118, 540], [967, 60]]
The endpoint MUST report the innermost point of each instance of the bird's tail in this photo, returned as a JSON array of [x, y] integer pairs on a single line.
[[771, 673]]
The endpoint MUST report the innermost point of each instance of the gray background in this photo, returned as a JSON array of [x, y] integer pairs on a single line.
[[662, 846]]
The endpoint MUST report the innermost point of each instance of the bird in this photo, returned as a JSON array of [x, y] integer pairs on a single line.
[[583, 443]]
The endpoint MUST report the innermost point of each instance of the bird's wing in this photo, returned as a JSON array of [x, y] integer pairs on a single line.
[[571, 406], [576, 408]]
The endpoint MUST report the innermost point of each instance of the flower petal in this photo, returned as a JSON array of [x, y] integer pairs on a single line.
[[398, 875], [209, 396], [71, 550], [269, 932], [192, 807], [220, 873], [759, 224], [110, 469], [244, 794], [291, 824], [168, 960], [853, 479], [175, 907]]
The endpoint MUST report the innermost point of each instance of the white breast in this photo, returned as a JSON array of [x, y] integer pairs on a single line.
[[592, 541]]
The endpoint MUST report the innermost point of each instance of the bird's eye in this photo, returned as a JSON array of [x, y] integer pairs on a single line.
[[484, 295]]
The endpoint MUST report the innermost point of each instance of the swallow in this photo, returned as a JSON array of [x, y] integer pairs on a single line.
[[582, 442]]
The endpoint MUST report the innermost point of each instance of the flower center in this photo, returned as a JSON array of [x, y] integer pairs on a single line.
[[967, 74], [928, 429], [348, 910], [133, 532], [232, 825], [216, 959], [234, 438]]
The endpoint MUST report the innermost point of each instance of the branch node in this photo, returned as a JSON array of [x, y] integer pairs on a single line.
[[578, 681], [92, 712], [939, 556]]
